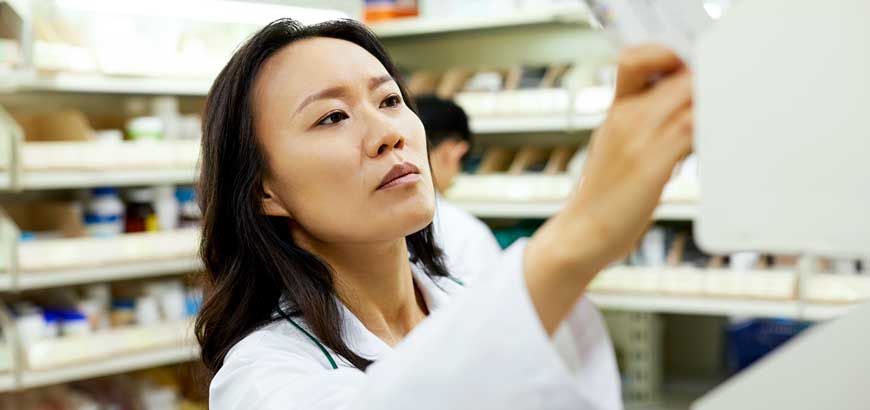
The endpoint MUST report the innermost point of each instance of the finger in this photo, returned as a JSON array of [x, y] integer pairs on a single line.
[[667, 97], [678, 134], [638, 65]]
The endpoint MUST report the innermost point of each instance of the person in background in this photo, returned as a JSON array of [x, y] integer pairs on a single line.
[[470, 248]]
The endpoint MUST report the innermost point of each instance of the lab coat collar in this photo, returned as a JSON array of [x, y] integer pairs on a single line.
[[436, 293]]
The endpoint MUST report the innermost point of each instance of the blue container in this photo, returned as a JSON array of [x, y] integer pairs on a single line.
[[753, 339]]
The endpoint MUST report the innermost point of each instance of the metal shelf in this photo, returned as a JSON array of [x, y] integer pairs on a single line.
[[115, 365], [36, 280], [428, 26]]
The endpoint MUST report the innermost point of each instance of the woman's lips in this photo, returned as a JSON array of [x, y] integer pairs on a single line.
[[407, 179], [400, 174]]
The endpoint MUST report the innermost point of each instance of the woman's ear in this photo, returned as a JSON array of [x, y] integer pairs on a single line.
[[272, 205]]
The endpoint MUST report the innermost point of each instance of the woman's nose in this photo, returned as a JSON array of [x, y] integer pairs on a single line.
[[388, 138]]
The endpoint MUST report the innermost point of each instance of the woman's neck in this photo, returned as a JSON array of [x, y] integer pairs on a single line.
[[374, 281]]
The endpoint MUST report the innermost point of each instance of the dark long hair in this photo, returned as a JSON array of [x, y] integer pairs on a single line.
[[250, 258]]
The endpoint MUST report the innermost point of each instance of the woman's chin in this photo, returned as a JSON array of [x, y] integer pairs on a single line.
[[412, 217]]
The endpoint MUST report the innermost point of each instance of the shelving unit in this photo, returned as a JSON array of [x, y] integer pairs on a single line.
[[722, 292], [60, 180], [430, 26], [697, 305], [102, 84], [543, 210], [528, 124], [116, 365], [121, 350], [26, 166], [133, 270], [86, 164], [73, 261]]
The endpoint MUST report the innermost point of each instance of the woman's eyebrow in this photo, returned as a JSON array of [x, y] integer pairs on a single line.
[[376, 82], [336, 92], [333, 92]]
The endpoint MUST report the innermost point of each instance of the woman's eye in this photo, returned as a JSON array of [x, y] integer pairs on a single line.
[[333, 118], [391, 101]]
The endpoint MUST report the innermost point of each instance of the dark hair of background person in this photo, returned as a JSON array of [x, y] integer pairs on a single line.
[[251, 260], [442, 119]]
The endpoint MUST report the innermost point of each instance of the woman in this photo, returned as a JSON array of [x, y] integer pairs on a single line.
[[324, 287]]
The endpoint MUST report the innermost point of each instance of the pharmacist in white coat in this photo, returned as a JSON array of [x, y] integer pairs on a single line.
[[324, 289]]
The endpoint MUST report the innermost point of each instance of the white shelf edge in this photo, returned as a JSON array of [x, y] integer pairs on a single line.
[[424, 26], [820, 311], [116, 365], [676, 211], [7, 381], [531, 123], [484, 209], [5, 281], [33, 180], [697, 305], [136, 270], [104, 84], [5, 179]]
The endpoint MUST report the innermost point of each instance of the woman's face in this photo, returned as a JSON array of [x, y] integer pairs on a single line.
[[346, 156]]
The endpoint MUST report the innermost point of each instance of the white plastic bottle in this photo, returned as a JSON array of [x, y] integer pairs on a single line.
[[105, 213], [166, 206]]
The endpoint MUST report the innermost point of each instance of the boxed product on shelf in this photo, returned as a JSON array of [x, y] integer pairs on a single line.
[[382, 10], [69, 125], [46, 220], [10, 36]]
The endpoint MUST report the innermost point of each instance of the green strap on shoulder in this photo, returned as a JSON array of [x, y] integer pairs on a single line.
[[317, 342], [310, 336]]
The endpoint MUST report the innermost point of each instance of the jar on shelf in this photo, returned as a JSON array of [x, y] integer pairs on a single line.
[[145, 129], [104, 216], [141, 215], [188, 209]]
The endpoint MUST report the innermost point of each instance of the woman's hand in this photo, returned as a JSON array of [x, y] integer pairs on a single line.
[[632, 155]]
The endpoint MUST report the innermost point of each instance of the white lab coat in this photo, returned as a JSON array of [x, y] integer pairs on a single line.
[[482, 347], [470, 248]]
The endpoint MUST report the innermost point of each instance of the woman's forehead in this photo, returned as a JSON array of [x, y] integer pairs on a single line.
[[312, 64]]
